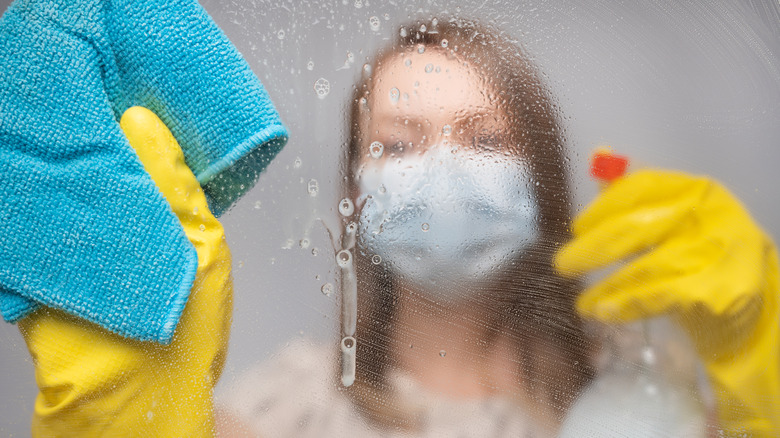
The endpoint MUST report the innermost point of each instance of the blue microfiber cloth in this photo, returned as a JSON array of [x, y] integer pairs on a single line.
[[83, 228]]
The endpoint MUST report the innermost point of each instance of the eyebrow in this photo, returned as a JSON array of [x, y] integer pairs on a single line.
[[414, 120], [400, 118], [482, 115]]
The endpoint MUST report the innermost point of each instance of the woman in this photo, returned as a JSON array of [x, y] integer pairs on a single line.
[[457, 168], [455, 89]]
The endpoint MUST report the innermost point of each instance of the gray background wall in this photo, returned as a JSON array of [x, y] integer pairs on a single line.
[[691, 86]]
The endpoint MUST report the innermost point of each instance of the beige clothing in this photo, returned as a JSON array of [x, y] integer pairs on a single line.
[[297, 394]]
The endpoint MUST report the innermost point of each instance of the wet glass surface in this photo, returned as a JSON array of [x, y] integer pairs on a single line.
[[405, 134]]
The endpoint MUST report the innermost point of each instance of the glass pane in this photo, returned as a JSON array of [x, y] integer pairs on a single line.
[[394, 265]]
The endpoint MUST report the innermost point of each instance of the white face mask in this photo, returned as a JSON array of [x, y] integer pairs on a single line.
[[446, 221]]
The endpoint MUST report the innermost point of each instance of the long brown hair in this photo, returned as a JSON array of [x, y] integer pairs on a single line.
[[527, 302]]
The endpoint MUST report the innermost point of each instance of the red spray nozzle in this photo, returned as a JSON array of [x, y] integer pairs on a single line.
[[606, 166]]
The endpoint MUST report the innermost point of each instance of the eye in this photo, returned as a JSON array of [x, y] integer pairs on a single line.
[[398, 148], [490, 141]]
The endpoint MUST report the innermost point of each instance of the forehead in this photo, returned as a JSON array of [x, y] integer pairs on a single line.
[[430, 86]]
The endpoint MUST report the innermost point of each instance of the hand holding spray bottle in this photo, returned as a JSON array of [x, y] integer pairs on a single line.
[[648, 376]]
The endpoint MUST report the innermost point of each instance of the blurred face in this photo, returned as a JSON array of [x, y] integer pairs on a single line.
[[447, 202], [419, 100]]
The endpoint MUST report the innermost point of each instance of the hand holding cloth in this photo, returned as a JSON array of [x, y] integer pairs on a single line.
[[84, 228]]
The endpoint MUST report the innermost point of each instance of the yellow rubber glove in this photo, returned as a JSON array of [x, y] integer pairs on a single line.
[[689, 249], [95, 383]]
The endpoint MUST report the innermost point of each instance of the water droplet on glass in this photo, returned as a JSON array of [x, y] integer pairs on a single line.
[[394, 95], [202, 227], [403, 32], [367, 69], [310, 65], [420, 48], [374, 23], [149, 416], [288, 244], [344, 258], [297, 163], [322, 87], [423, 28], [304, 243], [425, 226], [445, 43], [408, 62], [280, 34], [258, 204], [346, 207], [446, 130], [327, 289], [358, 4], [442, 353], [376, 259], [382, 189], [313, 187], [428, 68], [315, 251], [376, 149]]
